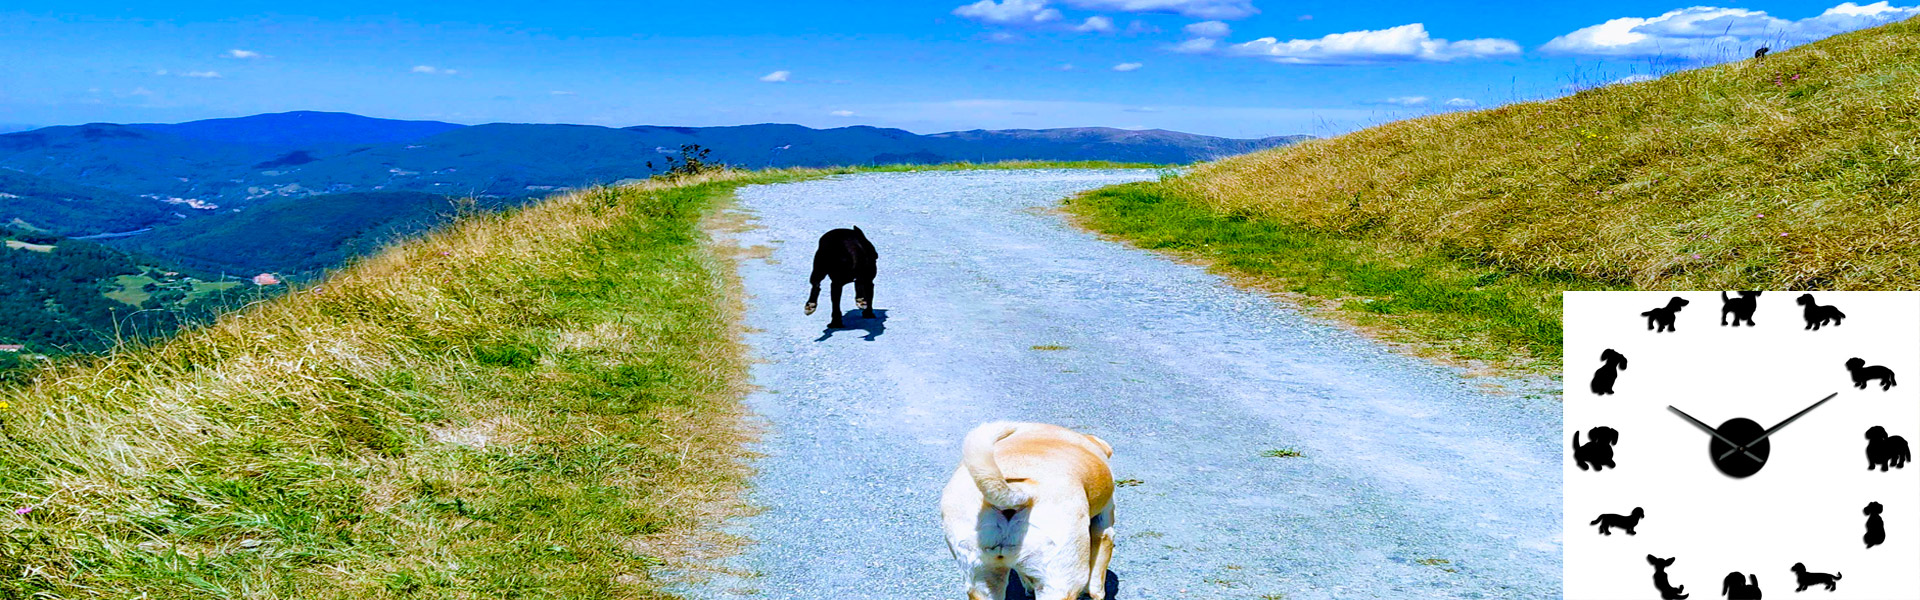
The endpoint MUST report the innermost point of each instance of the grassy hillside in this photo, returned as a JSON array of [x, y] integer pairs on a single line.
[[1796, 171], [530, 404]]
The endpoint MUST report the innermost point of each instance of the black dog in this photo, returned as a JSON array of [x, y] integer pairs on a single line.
[[1812, 579], [1741, 308], [1598, 451], [1863, 374], [1608, 522], [1819, 316], [1762, 52], [1883, 451], [846, 256], [1664, 316], [1876, 527], [1737, 587], [1667, 590], [1612, 363]]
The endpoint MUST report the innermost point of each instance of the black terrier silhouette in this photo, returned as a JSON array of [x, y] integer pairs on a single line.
[[1811, 579], [1612, 363], [1741, 308], [1667, 591], [1819, 316], [1883, 451], [1741, 587], [1598, 451], [1876, 527], [1609, 521], [1664, 316], [1863, 373]]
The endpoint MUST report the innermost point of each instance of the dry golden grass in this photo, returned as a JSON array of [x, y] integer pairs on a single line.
[[1798, 171]]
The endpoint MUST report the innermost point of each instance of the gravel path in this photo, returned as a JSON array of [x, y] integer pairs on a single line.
[[1413, 481]]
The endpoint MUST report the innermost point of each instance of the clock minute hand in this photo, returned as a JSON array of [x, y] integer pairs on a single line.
[[1712, 432], [1771, 430]]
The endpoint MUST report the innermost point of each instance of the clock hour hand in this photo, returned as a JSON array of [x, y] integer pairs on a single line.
[[1710, 431], [1769, 431]]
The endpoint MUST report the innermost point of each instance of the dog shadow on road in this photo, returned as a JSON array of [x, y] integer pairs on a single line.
[[874, 326], [1016, 591]]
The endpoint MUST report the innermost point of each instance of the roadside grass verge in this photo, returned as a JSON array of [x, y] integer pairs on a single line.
[[1458, 231], [532, 404]]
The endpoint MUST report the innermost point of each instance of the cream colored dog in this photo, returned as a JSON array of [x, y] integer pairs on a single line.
[[1035, 499]]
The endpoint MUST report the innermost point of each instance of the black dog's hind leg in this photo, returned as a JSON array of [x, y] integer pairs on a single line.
[[863, 296], [836, 323], [813, 297]]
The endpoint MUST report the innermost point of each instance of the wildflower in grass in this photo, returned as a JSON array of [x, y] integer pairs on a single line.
[[23, 510], [1696, 257], [4, 405]]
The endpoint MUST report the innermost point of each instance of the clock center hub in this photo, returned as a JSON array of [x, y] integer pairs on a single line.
[[1739, 464]]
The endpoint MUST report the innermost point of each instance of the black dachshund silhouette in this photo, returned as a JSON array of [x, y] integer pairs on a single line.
[[1741, 308], [1598, 451], [1667, 590], [1876, 527], [1811, 579], [1663, 317], [1612, 363], [1819, 316], [1863, 373], [1884, 452], [1608, 522], [1739, 587], [847, 257]]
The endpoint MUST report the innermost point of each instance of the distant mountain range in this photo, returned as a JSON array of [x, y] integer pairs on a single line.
[[184, 187]]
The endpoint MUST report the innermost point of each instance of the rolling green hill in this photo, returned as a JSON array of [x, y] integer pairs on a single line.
[[72, 210], [1797, 171]]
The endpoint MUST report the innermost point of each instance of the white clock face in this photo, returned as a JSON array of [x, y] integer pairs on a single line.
[[1802, 499]]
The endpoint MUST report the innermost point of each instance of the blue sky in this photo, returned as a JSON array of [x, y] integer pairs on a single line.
[[1240, 68]]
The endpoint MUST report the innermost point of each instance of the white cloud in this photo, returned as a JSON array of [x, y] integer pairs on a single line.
[[1197, 45], [140, 91], [1208, 29], [1065, 67], [1404, 43], [1304, 18], [842, 113], [1406, 100], [561, 93], [1197, 9], [433, 70], [1635, 78], [1096, 24], [1009, 12], [1127, 67], [242, 54], [1461, 103], [202, 74], [1139, 27], [777, 77], [1702, 32]]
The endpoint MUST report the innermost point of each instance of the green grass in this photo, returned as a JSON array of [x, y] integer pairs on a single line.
[[538, 404], [130, 289], [1282, 453], [1457, 232]]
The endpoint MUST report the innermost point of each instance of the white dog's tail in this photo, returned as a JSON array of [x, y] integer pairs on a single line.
[[976, 453]]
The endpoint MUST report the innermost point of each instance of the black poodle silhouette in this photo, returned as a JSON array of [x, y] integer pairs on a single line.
[[1876, 527], [1612, 363], [1819, 316], [1884, 452], [1741, 308], [1812, 579], [1598, 451], [1667, 590], [1741, 587], [1863, 373], [1608, 522], [1663, 316]]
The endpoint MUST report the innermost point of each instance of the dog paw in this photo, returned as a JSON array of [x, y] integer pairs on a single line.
[[811, 306], [863, 303]]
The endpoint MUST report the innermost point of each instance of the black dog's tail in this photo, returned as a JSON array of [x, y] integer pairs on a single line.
[[1576, 443], [1836, 575], [1648, 313], [1596, 520]]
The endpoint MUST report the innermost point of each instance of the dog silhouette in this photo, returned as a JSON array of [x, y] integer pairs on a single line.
[[1612, 363], [1598, 451], [1762, 52], [1863, 373], [1608, 522], [1741, 308], [1663, 316], [1876, 527], [1741, 587], [1812, 579], [1667, 591], [1884, 452], [1819, 316]]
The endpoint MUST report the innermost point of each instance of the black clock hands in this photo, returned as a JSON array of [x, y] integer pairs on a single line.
[[1712, 432], [1770, 431]]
